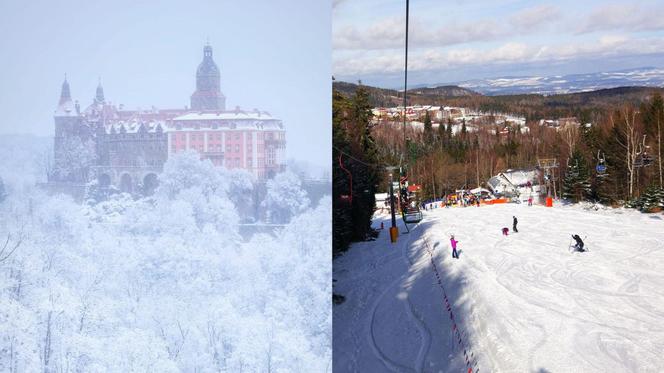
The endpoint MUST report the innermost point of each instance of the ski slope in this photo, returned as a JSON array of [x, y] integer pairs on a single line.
[[521, 303]]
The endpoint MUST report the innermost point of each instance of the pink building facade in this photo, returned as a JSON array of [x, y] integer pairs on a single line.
[[250, 140]]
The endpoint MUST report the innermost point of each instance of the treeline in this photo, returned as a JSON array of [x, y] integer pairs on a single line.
[[355, 169], [625, 138], [586, 106]]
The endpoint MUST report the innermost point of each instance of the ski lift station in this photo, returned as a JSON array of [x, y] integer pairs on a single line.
[[516, 183]]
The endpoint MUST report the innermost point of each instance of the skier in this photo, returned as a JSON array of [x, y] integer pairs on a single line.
[[579, 244], [514, 222], [454, 251], [505, 231], [530, 201]]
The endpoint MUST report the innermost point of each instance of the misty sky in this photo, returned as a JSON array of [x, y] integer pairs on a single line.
[[273, 55], [458, 40]]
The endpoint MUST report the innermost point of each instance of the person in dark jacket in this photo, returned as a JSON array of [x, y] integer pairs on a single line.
[[514, 223], [579, 243]]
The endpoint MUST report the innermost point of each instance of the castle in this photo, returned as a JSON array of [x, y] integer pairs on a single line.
[[127, 149]]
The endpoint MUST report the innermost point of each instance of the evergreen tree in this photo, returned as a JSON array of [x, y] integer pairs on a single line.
[[652, 200], [576, 184], [448, 129], [613, 187], [441, 132], [653, 118], [355, 149], [428, 130]]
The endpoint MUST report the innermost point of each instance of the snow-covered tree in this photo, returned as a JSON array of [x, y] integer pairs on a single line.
[[3, 193], [75, 157], [285, 197], [162, 284]]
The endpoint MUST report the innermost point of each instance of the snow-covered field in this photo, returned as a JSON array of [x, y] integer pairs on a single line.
[[521, 303]]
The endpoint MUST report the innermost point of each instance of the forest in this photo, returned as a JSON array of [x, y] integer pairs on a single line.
[[164, 283]]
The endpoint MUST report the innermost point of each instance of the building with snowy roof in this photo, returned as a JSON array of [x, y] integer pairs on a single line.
[[516, 183], [128, 148]]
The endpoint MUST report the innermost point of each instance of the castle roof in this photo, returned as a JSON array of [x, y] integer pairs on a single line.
[[134, 126], [226, 115]]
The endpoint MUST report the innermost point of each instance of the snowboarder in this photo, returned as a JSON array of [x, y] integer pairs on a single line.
[[454, 251], [505, 231], [579, 243], [514, 222]]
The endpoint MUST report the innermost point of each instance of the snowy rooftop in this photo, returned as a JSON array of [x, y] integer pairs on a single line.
[[227, 115], [134, 126]]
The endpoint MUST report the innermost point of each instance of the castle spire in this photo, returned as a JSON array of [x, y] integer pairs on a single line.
[[99, 96], [65, 94], [208, 96]]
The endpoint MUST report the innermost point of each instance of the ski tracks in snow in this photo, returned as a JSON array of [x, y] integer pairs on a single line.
[[397, 285]]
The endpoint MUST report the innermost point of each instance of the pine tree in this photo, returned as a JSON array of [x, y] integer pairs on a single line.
[[441, 132], [355, 149], [576, 184], [428, 130], [651, 200], [653, 118]]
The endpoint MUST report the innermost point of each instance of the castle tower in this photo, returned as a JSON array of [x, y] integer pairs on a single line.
[[99, 95], [65, 105], [69, 132], [208, 96]]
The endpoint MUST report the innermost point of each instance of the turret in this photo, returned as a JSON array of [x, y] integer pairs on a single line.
[[99, 95], [208, 95], [65, 105]]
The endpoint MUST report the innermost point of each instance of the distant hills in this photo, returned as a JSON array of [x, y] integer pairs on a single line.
[[560, 84], [392, 97], [532, 106]]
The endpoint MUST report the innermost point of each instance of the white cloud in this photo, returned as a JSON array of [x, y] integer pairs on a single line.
[[388, 62], [389, 33], [531, 18], [628, 17]]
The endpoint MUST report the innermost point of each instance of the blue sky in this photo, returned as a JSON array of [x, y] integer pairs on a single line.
[[273, 55], [461, 40]]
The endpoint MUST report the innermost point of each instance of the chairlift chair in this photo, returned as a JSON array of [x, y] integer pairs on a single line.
[[643, 159], [601, 165]]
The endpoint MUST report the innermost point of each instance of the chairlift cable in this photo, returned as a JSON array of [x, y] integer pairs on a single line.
[[358, 160]]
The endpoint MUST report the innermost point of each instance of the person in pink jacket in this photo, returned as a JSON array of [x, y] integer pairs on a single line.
[[454, 243]]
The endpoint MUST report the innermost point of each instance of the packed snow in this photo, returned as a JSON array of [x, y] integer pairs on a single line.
[[521, 303]]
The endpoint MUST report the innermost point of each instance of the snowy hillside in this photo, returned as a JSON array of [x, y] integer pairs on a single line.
[[520, 303], [646, 76], [165, 283]]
